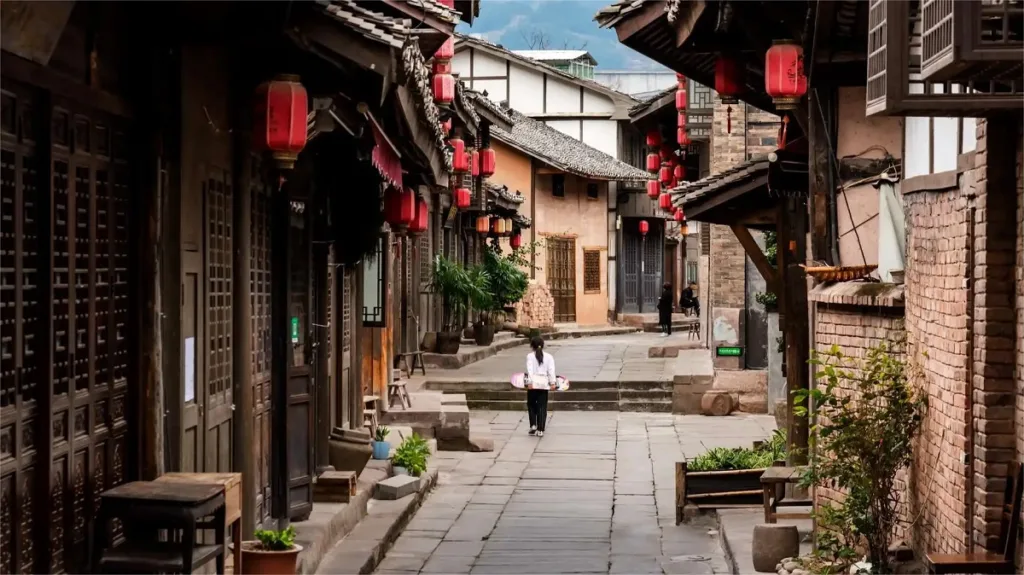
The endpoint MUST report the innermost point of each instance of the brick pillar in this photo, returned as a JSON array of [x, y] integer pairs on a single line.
[[994, 385]]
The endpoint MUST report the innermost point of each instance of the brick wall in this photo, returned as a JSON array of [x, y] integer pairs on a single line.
[[857, 317]]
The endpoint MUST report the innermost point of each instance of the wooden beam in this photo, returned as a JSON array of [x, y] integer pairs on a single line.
[[632, 24], [686, 20], [757, 256], [793, 315]]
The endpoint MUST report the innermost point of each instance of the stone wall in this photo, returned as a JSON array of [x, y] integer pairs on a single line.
[[858, 316], [537, 308]]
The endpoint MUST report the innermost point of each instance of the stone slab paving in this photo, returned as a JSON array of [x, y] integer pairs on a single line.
[[595, 495]]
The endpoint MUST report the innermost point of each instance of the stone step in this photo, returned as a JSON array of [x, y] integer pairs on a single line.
[[454, 385], [552, 405], [646, 405]]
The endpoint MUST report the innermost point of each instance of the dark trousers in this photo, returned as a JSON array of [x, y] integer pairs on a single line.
[[665, 319], [537, 406]]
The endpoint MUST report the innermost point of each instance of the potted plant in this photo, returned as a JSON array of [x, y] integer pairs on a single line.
[[731, 475], [483, 302], [411, 456], [381, 448], [451, 282], [272, 553]]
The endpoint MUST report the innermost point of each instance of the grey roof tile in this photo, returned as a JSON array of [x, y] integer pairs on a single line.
[[565, 152], [688, 192], [373, 25]]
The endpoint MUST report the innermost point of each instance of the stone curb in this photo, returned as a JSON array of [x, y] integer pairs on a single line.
[[723, 536], [364, 548]]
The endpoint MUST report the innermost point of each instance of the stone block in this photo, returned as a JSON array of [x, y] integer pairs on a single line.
[[334, 487], [686, 397], [397, 487], [752, 403], [716, 403], [772, 543]]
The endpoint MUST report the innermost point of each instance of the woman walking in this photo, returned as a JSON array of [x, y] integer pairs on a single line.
[[665, 310], [540, 370]]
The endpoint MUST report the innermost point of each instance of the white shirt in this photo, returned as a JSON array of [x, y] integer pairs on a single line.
[[547, 368]]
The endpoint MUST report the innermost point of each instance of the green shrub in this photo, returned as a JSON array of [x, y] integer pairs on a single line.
[[733, 458], [276, 540], [412, 454]]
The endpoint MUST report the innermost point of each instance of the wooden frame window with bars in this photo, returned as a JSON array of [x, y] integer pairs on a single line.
[[591, 271]]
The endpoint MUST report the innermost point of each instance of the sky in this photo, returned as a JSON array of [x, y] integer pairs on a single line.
[[563, 23]]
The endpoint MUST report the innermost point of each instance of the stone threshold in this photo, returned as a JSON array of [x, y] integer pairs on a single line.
[[364, 547]]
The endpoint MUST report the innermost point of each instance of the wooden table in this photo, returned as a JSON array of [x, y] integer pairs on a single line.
[[149, 506], [773, 484], [231, 485]]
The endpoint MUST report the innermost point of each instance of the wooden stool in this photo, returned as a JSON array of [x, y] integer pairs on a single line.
[[370, 412], [693, 332], [397, 390], [161, 505], [417, 360], [232, 486]]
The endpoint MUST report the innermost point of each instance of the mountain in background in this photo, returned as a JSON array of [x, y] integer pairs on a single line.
[[555, 25]]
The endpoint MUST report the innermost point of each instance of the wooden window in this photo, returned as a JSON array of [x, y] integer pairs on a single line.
[[593, 191], [375, 285], [558, 185], [691, 272], [591, 271]]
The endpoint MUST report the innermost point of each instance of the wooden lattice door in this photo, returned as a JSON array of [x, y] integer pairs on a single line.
[[650, 271], [631, 272], [259, 285], [561, 274]]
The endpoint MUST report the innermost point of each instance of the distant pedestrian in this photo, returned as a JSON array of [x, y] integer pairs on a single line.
[[540, 370], [688, 301], [665, 310]]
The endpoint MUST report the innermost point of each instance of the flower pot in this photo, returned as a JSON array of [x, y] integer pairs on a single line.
[[448, 342], [397, 470], [260, 562], [483, 334], [429, 343], [381, 450]]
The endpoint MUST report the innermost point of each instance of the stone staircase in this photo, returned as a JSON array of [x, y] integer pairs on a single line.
[[636, 396]]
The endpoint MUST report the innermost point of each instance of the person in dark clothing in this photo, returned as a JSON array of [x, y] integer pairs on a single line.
[[665, 310], [688, 301]]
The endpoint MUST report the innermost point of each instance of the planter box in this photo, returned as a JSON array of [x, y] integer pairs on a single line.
[[717, 489]]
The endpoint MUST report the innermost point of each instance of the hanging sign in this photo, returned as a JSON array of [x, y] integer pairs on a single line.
[[295, 330]]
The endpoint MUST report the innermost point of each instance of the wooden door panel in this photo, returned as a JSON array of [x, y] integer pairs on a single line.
[[631, 273], [651, 272], [259, 284], [191, 370], [218, 398], [561, 275]]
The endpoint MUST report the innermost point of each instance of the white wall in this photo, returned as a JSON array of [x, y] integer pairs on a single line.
[[636, 83], [602, 135], [597, 103], [562, 97], [570, 127], [527, 90], [486, 65]]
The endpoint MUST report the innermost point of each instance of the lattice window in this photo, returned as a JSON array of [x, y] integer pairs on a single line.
[[259, 345], [592, 271], [218, 290], [877, 55], [705, 239]]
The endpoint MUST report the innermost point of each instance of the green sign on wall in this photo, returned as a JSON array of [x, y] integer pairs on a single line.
[[295, 330], [729, 351]]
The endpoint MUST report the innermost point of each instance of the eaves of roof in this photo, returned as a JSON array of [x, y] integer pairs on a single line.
[[690, 192]]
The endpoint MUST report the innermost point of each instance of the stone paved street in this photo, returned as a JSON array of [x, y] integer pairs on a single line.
[[595, 495]]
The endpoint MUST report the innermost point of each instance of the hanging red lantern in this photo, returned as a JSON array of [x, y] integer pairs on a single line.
[[444, 88], [447, 50], [680, 78], [487, 162], [665, 175], [420, 222], [442, 67], [483, 225], [399, 207], [459, 162], [279, 119], [653, 189], [728, 84], [678, 216], [682, 136], [474, 164], [653, 139], [679, 172], [497, 226], [665, 201], [681, 98], [653, 162], [644, 227], [508, 226], [446, 126], [784, 78], [515, 241], [463, 198]]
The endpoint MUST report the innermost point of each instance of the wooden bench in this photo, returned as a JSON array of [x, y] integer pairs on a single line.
[[773, 485], [370, 412], [416, 361], [988, 561], [397, 391]]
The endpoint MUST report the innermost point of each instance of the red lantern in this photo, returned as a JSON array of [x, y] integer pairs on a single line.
[[515, 241], [665, 201], [679, 172], [784, 78], [680, 78], [459, 162], [487, 162], [653, 139], [474, 163], [447, 50], [665, 175], [682, 137], [400, 207], [728, 83], [681, 99], [419, 223], [446, 126], [463, 197], [666, 152], [279, 122], [653, 162], [483, 225], [644, 227], [653, 189], [444, 88], [678, 216]]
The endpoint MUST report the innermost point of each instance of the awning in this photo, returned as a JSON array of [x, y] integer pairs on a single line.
[[747, 193]]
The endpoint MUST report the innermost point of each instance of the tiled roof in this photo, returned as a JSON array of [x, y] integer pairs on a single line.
[[373, 25], [466, 103], [553, 55], [611, 15], [417, 77], [692, 191], [436, 9], [565, 152], [504, 193], [647, 102], [481, 101], [547, 68]]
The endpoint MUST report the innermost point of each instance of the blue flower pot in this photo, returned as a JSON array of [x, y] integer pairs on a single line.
[[381, 449]]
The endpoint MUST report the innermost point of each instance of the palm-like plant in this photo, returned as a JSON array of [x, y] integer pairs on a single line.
[[454, 284]]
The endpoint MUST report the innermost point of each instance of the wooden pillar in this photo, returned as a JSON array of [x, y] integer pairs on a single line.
[[793, 315], [355, 402], [241, 330], [280, 348], [319, 325]]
